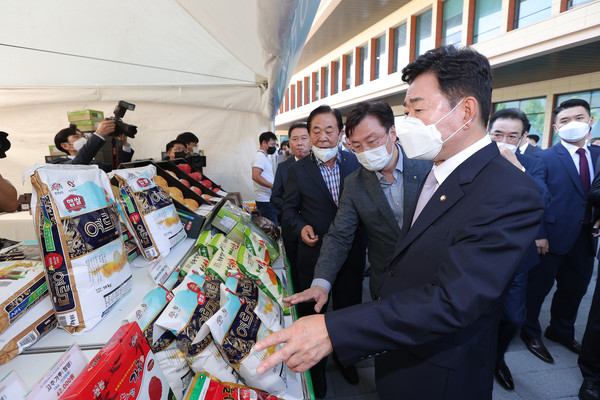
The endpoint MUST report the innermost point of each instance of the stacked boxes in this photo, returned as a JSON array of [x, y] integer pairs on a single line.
[[86, 120]]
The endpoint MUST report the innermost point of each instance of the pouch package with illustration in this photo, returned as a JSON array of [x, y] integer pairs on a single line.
[[236, 328], [176, 369], [149, 211], [206, 387], [85, 260], [220, 264]]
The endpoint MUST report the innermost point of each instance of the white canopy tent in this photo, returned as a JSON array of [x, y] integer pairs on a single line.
[[218, 69]]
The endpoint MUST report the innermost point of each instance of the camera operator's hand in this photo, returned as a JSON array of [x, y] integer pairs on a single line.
[[105, 128]]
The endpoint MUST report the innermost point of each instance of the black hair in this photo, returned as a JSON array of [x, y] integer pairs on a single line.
[[173, 143], [511, 113], [187, 138], [570, 104], [378, 109], [285, 143], [63, 137], [266, 136], [460, 73], [325, 109], [295, 125], [534, 137]]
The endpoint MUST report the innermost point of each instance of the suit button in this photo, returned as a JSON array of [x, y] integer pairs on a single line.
[[390, 272], [581, 222]]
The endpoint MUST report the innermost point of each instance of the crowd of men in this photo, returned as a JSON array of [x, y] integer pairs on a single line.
[[468, 226]]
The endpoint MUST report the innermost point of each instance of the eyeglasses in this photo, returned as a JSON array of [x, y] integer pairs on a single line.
[[505, 138], [371, 144]]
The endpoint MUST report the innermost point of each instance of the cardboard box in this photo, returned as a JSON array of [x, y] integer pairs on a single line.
[[124, 368], [55, 151], [87, 125], [85, 115]]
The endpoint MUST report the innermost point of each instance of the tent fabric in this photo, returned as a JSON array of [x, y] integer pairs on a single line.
[[226, 63]]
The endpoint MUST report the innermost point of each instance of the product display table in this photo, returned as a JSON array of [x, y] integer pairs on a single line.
[[17, 226], [32, 365]]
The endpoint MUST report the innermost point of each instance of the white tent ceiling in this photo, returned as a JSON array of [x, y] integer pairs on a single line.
[[235, 55]]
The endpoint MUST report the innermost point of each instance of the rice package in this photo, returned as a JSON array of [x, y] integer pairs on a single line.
[[79, 232], [125, 368], [242, 286], [149, 211], [176, 369], [264, 276], [27, 330], [196, 262], [205, 387], [219, 241], [22, 285], [220, 264], [146, 314], [203, 248], [196, 300], [236, 328]]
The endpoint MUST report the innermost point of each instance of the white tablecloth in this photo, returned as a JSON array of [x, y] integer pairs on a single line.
[[17, 226]]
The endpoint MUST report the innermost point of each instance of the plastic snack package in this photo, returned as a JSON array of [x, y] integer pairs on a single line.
[[264, 276], [149, 211], [176, 369], [80, 240], [236, 328], [206, 387], [125, 368], [220, 264]]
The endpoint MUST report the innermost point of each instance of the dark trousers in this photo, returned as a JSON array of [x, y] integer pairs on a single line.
[[513, 313], [267, 210], [572, 272], [589, 359]]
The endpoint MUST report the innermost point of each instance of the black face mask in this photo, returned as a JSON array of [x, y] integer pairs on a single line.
[[271, 150], [180, 154]]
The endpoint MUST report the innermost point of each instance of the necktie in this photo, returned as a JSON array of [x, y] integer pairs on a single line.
[[584, 175], [426, 193]]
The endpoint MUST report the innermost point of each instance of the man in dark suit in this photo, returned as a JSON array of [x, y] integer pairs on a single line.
[[434, 329], [82, 151], [310, 202], [379, 196], [589, 358], [525, 147], [508, 128], [300, 146], [568, 254]]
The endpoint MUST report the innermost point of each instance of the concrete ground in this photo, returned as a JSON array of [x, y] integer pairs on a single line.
[[534, 379]]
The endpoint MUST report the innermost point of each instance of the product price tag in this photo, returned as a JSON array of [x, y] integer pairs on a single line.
[[60, 376], [160, 270]]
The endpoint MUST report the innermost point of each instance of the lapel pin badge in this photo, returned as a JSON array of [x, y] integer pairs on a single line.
[[415, 177], [443, 197]]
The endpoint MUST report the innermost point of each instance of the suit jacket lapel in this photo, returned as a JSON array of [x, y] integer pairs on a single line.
[[314, 172], [412, 188], [374, 191], [565, 158]]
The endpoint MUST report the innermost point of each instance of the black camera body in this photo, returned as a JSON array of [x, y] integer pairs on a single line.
[[4, 144], [121, 128]]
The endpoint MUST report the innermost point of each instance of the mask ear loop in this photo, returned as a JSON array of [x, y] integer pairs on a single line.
[[450, 112]]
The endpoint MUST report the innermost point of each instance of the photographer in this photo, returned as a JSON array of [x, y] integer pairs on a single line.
[[8, 193], [82, 151]]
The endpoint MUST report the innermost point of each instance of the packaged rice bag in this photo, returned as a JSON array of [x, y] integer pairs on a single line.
[[146, 314], [242, 286], [149, 211], [264, 276], [125, 368], [203, 248], [27, 330], [205, 387], [196, 300], [219, 241], [220, 264], [22, 285], [176, 369], [196, 262], [85, 261], [236, 328]]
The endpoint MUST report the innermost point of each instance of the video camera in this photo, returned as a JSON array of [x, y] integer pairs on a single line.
[[4, 144], [121, 128]]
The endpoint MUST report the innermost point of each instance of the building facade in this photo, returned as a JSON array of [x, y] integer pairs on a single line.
[[541, 52]]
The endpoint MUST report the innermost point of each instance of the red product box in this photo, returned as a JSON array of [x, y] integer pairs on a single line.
[[124, 368]]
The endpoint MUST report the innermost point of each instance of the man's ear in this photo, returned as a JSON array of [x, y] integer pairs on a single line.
[[63, 145], [470, 107]]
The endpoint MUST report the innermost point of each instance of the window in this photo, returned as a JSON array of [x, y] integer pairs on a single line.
[[593, 99], [300, 93], [349, 71], [400, 51], [363, 65], [452, 22], [535, 110], [317, 94], [424, 40], [325, 81], [488, 16], [529, 11], [380, 58], [576, 3], [307, 90], [292, 97], [337, 77]]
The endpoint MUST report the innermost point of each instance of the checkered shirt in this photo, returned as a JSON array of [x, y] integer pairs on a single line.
[[331, 176]]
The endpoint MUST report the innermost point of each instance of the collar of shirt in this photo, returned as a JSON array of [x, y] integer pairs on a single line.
[[572, 149], [523, 147], [443, 170], [399, 166], [338, 161]]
